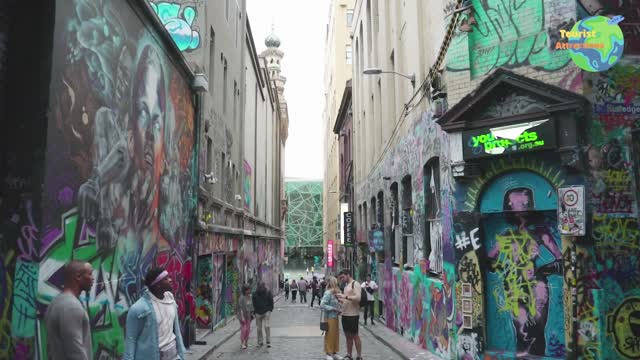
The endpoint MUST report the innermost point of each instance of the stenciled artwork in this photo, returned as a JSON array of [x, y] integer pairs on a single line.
[[524, 302]]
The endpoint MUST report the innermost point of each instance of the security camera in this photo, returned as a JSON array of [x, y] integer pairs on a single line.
[[238, 197]]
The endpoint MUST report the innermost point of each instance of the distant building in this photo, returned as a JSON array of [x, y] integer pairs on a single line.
[[337, 71], [304, 222]]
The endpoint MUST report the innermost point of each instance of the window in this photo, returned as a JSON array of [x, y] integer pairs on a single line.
[[349, 54], [366, 218], [212, 62], [395, 220], [407, 222], [432, 242], [235, 102], [223, 170], [380, 219], [349, 17], [209, 155], [224, 87], [360, 222], [374, 214]]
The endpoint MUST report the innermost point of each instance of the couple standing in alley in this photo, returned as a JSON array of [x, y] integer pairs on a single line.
[[258, 305], [347, 303], [152, 327]]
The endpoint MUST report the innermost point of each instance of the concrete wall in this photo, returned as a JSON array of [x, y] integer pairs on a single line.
[[210, 34]]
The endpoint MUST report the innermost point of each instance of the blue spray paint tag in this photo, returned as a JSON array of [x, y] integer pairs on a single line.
[[615, 20]]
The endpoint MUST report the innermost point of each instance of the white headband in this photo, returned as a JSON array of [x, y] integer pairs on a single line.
[[161, 276]]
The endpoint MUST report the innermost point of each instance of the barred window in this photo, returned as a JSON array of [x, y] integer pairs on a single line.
[[433, 228]]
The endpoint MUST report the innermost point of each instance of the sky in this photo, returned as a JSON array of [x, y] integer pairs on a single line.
[[301, 27]]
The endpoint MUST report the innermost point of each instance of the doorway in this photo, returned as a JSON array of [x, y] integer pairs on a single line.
[[204, 292], [524, 283], [218, 276]]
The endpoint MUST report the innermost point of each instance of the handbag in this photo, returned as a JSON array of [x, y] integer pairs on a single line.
[[324, 325]]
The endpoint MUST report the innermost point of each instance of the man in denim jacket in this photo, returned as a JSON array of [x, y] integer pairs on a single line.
[[153, 328]]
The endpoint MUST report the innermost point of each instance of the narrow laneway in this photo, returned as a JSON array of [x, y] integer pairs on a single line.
[[295, 334]]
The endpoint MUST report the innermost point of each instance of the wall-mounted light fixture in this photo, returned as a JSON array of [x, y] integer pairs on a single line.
[[376, 71], [200, 83]]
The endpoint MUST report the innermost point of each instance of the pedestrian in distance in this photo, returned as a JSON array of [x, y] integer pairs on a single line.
[[66, 320], [153, 327], [286, 289], [350, 300], [371, 287], [245, 312], [302, 289], [330, 306], [315, 291], [294, 291], [323, 286], [263, 306]]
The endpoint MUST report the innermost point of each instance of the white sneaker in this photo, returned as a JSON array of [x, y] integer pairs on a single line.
[[244, 347], [329, 357], [337, 357]]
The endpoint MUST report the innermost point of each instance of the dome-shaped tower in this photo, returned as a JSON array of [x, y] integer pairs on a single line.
[[273, 55]]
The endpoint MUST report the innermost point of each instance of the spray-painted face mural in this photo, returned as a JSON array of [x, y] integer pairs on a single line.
[[119, 178]]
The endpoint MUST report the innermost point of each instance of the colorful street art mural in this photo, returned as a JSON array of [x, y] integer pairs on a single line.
[[247, 185], [118, 188], [234, 263], [507, 286], [511, 34], [204, 292], [178, 18], [524, 280]]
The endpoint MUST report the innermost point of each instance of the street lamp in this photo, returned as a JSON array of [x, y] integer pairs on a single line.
[[376, 71]]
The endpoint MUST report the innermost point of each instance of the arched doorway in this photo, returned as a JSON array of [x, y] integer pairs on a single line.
[[524, 284]]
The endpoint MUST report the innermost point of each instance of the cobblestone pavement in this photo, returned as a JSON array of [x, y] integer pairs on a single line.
[[295, 334]]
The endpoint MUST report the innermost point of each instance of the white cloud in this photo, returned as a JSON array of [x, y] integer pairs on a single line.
[[301, 26]]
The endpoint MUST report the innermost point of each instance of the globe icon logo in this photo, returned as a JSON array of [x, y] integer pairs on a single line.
[[596, 44]]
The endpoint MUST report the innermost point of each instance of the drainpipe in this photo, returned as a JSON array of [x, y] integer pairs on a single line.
[[199, 86]]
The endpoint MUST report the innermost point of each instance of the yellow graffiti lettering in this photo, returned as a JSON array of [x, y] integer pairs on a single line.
[[615, 235], [516, 266]]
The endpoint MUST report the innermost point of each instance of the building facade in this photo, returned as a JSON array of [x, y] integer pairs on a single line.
[[505, 183], [343, 128], [101, 167], [304, 224], [337, 70], [239, 228]]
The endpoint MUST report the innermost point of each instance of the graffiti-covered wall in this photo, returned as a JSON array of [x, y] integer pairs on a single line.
[[510, 283], [225, 264], [417, 304], [118, 188]]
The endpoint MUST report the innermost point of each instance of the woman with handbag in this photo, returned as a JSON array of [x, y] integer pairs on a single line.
[[330, 309]]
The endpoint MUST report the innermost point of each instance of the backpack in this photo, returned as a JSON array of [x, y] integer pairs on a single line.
[[363, 295]]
